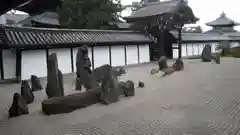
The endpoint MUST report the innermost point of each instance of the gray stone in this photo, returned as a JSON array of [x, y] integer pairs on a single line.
[[207, 53], [83, 66], [121, 87], [109, 84], [54, 86], [178, 65], [129, 88], [26, 92], [162, 63], [118, 71], [78, 84], [36, 84], [19, 106], [168, 71], [141, 84], [69, 103]]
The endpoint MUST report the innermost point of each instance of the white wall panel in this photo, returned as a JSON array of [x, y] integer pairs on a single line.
[[144, 53], [101, 56], [64, 59], [34, 62], [132, 54], [195, 49], [118, 55], [175, 53], [9, 64], [184, 52], [75, 50], [189, 50]]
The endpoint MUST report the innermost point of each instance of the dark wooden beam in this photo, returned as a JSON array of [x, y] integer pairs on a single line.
[[47, 54], [1, 64], [72, 62], [110, 55], [138, 53], [180, 43], [18, 65], [92, 57], [125, 54]]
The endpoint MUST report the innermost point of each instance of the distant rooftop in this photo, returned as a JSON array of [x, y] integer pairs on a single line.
[[160, 8], [223, 20]]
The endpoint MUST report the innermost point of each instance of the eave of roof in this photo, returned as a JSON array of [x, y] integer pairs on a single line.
[[166, 7], [28, 37], [6, 5], [202, 37]]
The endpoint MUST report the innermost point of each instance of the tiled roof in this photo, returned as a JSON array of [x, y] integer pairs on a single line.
[[42, 37], [223, 20], [159, 8]]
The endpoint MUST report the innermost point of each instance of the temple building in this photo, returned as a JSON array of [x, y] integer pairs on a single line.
[[222, 33]]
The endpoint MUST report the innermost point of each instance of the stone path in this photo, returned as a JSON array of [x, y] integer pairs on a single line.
[[204, 99]]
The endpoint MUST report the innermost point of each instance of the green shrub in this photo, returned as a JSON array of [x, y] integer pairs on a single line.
[[236, 52]]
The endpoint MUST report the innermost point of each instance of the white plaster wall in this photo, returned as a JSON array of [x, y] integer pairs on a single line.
[[132, 54], [34, 62], [101, 56], [75, 50], [64, 59], [9, 64], [144, 55], [118, 55]]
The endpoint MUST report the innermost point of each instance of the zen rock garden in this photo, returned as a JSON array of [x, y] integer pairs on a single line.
[[101, 86]]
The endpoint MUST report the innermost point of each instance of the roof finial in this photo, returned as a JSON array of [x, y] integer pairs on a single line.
[[223, 14]]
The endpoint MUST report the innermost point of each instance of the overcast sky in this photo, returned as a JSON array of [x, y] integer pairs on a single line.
[[208, 10]]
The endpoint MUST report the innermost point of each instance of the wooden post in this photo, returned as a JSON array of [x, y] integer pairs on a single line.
[[180, 42], [18, 65], [1, 64]]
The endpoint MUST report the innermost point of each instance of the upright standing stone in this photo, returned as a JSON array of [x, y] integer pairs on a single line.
[[129, 90], [83, 66], [54, 78], [19, 106], [26, 92], [207, 53], [162, 63], [36, 84]]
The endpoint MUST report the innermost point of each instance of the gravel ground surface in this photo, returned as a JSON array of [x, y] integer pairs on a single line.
[[201, 100]]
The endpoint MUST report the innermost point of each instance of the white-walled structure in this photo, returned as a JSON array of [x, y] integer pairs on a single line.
[[34, 61]]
